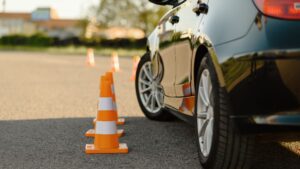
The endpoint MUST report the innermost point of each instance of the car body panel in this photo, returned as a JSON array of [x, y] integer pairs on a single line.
[[184, 44], [263, 68], [166, 54], [256, 58]]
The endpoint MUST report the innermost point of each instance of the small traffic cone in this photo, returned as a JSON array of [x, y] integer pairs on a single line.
[[115, 65], [106, 138], [90, 59], [110, 77], [91, 132], [136, 60]]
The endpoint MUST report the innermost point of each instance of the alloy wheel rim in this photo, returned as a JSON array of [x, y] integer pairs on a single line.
[[205, 113], [150, 90]]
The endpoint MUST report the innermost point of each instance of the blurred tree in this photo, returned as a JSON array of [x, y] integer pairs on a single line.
[[116, 13], [149, 15], [83, 24], [128, 13]]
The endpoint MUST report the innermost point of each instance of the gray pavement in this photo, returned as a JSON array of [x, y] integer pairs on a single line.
[[47, 102]]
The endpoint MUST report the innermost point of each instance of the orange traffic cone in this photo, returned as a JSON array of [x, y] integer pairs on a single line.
[[115, 65], [106, 138], [90, 60], [91, 132], [110, 78], [136, 60]]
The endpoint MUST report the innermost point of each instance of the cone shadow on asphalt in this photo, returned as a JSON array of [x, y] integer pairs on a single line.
[[59, 143]]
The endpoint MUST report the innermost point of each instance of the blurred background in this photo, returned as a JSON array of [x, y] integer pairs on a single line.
[[69, 26]]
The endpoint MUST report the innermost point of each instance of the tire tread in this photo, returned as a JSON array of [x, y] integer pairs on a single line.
[[232, 150]]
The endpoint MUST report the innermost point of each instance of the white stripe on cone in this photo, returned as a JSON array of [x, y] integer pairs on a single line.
[[106, 127], [105, 104]]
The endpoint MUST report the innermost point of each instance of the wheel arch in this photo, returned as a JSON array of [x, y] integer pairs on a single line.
[[200, 52]]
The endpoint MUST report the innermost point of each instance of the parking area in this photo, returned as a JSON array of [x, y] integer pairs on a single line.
[[47, 102]]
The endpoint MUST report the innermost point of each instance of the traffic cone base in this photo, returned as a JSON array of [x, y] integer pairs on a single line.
[[91, 133], [91, 149], [121, 121]]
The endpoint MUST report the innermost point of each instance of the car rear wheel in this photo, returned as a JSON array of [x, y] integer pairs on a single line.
[[149, 92], [220, 146]]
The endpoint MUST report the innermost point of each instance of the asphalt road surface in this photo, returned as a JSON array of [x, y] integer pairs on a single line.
[[47, 102]]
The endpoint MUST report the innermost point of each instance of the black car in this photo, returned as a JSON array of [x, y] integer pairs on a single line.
[[231, 67]]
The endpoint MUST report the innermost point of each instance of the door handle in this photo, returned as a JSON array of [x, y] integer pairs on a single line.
[[174, 19], [201, 8]]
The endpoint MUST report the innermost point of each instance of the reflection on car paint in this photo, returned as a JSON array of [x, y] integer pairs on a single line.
[[278, 119], [187, 105]]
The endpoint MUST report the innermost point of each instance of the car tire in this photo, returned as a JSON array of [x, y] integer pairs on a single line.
[[229, 149], [160, 114]]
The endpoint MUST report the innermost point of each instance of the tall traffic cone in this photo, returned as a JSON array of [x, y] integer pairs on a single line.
[[90, 60], [91, 132], [110, 78], [136, 60], [115, 65], [106, 138]]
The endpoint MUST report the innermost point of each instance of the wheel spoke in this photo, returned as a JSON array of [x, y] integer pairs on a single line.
[[209, 133], [148, 99], [208, 90], [145, 82], [147, 73], [157, 99], [206, 86], [202, 96], [205, 143], [152, 102], [203, 128], [159, 87], [204, 79], [150, 69], [146, 89], [202, 115]]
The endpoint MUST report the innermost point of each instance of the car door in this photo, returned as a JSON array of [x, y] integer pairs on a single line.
[[186, 30], [166, 32]]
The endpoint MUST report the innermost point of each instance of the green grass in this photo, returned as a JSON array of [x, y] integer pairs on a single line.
[[74, 50]]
